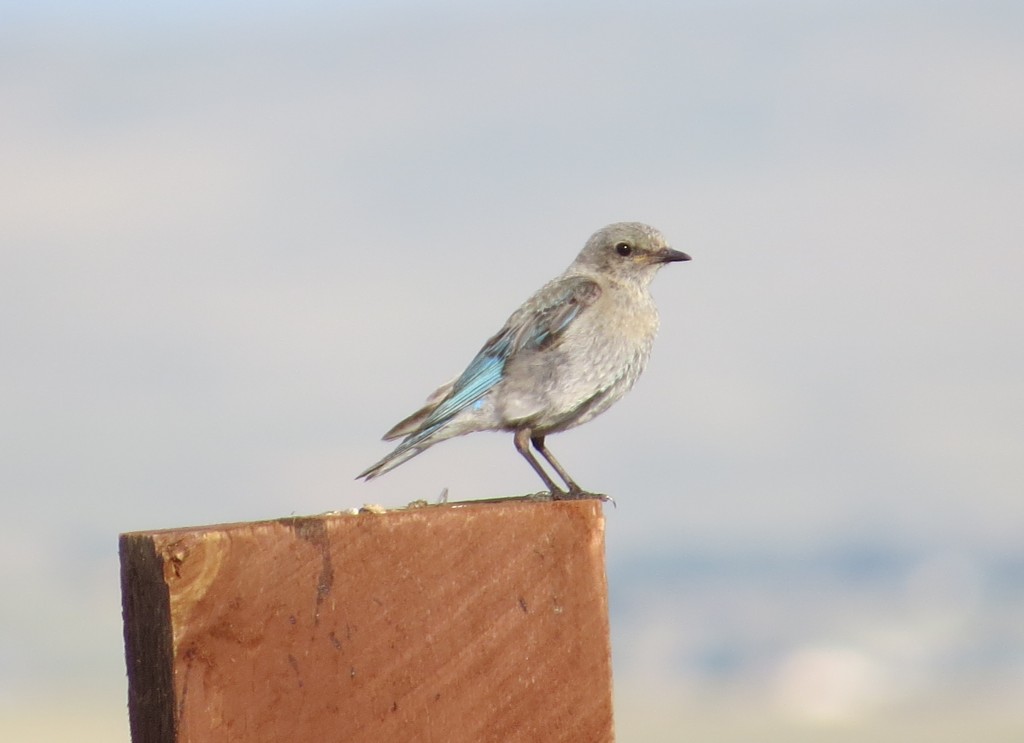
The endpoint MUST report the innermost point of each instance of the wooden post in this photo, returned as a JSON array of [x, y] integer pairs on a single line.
[[463, 622]]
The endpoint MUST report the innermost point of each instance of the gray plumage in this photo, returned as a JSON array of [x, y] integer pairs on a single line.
[[566, 355]]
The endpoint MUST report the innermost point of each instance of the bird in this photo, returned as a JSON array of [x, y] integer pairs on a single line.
[[565, 356]]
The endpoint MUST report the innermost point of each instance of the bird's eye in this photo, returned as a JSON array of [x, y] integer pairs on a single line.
[[623, 249]]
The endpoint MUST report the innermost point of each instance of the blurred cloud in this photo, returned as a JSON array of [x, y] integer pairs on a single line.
[[829, 685]]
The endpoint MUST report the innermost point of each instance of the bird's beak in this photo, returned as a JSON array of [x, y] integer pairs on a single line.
[[668, 255]]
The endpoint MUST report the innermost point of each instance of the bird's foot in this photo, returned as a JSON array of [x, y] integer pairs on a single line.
[[580, 494]]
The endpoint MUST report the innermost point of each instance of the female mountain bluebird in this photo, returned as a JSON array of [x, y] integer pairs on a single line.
[[567, 354]]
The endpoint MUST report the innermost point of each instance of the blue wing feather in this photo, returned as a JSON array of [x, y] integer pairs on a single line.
[[483, 372], [536, 330]]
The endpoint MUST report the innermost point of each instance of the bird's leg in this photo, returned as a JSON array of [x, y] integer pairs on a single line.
[[522, 442], [538, 444], [575, 491]]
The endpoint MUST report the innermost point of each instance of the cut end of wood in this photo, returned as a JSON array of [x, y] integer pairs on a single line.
[[460, 622]]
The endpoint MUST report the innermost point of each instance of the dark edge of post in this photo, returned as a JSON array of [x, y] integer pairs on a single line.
[[148, 641]]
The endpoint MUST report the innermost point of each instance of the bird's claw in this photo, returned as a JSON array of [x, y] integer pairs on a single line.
[[580, 494]]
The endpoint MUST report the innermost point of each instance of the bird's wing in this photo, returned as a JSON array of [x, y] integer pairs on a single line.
[[414, 422], [536, 326]]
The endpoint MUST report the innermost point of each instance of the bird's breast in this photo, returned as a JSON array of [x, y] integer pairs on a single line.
[[595, 363]]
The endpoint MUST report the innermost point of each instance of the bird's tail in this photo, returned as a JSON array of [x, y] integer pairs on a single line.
[[409, 448]]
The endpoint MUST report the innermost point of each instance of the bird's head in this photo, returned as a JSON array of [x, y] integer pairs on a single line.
[[627, 251]]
